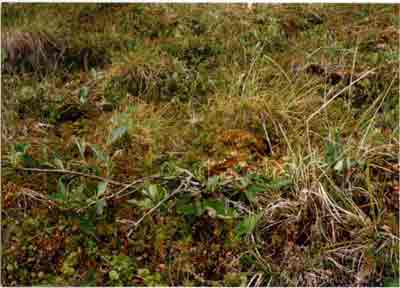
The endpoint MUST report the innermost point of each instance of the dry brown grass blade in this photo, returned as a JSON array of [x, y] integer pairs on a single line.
[[326, 104]]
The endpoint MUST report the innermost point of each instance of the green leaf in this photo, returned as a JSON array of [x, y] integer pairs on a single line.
[[48, 164], [21, 147], [333, 150], [101, 188], [81, 147], [339, 165], [69, 263], [152, 191], [247, 225], [87, 226], [395, 282], [131, 44], [4, 55], [187, 209], [90, 279], [83, 94], [59, 164], [114, 275], [212, 183], [20, 156], [61, 186], [252, 191], [186, 206], [217, 207], [57, 196], [100, 205], [28, 161], [118, 133], [155, 193], [100, 155], [279, 183], [144, 203]]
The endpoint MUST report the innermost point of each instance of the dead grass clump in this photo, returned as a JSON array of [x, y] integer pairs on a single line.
[[312, 234], [30, 51], [40, 52]]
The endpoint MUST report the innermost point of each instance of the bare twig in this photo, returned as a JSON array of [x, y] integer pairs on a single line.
[[122, 190], [339, 93], [176, 191], [36, 196], [71, 172]]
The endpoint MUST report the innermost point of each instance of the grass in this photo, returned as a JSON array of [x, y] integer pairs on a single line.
[[191, 145]]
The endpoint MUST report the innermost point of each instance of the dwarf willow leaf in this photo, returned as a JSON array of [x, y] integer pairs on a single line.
[[83, 94], [217, 208], [100, 205], [252, 191], [279, 183], [101, 188], [187, 209], [57, 196], [118, 133], [62, 189], [155, 193], [87, 226], [59, 164], [247, 225]]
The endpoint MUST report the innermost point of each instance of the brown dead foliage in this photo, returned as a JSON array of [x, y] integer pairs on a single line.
[[333, 74], [240, 146], [15, 196], [42, 52], [241, 139], [30, 51]]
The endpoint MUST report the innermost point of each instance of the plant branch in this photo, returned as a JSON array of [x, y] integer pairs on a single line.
[[176, 191]]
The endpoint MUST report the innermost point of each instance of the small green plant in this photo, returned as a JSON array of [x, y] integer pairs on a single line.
[[395, 282], [153, 194], [235, 279], [149, 278], [247, 225], [74, 192], [334, 149], [83, 94], [215, 208], [100, 202], [122, 269], [255, 183], [116, 90], [122, 125], [68, 267], [19, 156]]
